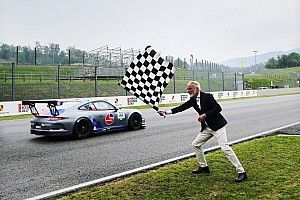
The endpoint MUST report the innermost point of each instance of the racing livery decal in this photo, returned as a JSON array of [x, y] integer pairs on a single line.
[[121, 115], [109, 119]]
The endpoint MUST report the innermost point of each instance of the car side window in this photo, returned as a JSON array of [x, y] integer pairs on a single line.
[[101, 105], [88, 106]]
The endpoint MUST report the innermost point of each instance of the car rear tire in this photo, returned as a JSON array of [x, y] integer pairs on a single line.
[[135, 121], [82, 128]]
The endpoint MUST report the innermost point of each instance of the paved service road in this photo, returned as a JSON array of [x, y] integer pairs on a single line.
[[33, 165]]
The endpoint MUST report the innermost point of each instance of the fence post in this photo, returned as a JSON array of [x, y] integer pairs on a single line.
[[243, 81], [83, 58], [69, 57], [35, 56], [192, 66], [96, 82], [13, 81], [223, 81], [174, 85], [235, 85], [17, 56], [58, 86]]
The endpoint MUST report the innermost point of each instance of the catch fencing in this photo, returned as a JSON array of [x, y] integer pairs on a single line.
[[20, 82]]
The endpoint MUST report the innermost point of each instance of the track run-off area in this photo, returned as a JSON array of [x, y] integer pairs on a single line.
[[34, 165]]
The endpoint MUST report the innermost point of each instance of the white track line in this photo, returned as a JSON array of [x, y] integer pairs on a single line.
[[133, 171]]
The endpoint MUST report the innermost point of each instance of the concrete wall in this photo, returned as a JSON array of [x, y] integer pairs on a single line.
[[267, 92]]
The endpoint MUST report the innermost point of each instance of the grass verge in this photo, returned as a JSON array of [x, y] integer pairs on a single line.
[[272, 164], [15, 117]]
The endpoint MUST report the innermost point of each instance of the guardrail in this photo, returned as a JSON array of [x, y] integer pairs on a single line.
[[9, 108]]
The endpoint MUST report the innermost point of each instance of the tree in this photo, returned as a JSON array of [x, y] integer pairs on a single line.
[[76, 55], [63, 58], [271, 63], [54, 53], [284, 61], [26, 55], [7, 52]]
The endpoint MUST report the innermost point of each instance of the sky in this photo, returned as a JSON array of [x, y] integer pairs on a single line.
[[214, 30]]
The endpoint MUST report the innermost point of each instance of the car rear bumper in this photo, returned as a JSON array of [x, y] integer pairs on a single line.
[[51, 128]]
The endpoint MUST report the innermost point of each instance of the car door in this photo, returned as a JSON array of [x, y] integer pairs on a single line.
[[109, 116]]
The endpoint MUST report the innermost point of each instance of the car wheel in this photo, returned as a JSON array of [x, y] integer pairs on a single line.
[[135, 121], [82, 128]]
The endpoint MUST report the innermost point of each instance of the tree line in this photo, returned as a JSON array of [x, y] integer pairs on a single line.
[[284, 61], [40, 55], [52, 54]]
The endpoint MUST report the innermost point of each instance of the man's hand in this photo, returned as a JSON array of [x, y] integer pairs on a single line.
[[162, 113], [201, 118]]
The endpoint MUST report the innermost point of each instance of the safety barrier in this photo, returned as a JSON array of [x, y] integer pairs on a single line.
[[9, 108]]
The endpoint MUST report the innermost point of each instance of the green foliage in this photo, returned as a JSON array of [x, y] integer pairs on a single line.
[[277, 77], [45, 54], [6, 52], [284, 61]]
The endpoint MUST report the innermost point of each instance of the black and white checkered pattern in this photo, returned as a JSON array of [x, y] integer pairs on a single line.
[[147, 77]]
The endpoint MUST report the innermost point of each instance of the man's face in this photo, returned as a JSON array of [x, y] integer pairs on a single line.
[[192, 90]]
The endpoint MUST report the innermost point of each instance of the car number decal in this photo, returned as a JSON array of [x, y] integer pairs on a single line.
[[121, 115], [109, 119]]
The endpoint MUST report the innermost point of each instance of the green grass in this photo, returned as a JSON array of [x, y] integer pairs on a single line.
[[43, 70], [39, 82], [279, 77], [47, 89], [272, 165], [15, 117]]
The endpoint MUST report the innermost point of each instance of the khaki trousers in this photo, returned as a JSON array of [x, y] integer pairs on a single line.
[[221, 136]]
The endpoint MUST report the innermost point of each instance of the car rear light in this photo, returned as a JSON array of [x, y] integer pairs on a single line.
[[52, 118]]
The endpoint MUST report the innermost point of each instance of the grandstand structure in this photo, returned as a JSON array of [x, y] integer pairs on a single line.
[[106, 62], [111, 63]]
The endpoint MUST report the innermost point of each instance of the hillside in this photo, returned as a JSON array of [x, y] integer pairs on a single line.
[[260, 58]]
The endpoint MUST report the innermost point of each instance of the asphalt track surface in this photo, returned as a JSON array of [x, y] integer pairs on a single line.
[[33, 165]]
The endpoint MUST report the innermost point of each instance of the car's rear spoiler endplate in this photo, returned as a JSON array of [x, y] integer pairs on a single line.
[[50, 104]]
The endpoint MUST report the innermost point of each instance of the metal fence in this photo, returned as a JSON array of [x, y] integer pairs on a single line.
[[38, 75], [19, 82]]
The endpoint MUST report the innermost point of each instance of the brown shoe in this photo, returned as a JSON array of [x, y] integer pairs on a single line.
[[201, 170]]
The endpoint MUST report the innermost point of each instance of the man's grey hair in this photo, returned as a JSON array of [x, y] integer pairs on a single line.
[[195, 83]]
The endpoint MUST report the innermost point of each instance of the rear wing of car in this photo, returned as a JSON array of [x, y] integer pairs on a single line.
[[50, 104]]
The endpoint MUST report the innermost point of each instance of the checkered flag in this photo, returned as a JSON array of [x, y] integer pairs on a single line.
[[147, 77]]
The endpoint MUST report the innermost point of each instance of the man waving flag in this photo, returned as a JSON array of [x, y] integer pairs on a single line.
[[147, 77]]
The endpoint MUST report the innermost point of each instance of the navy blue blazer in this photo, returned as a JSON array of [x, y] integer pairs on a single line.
[[209, 106]]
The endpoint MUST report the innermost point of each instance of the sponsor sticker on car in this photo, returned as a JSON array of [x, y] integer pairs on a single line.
[[109, 119], [121, 115]]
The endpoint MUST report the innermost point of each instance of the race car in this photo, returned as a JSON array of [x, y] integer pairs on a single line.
[[80, 118]]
